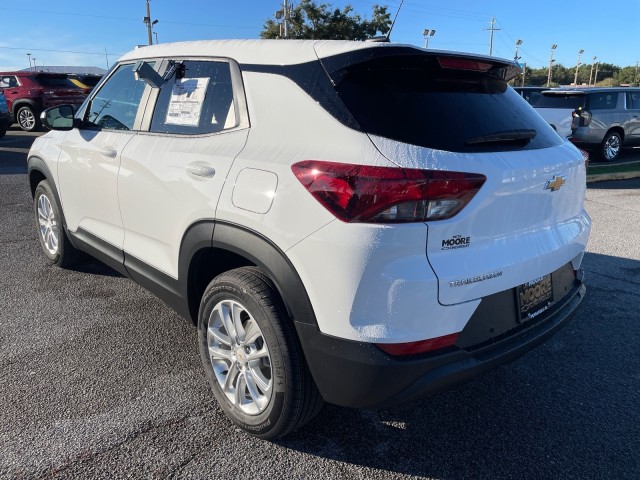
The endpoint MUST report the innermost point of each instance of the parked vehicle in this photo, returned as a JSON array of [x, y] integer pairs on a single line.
[[607, 120], [557, 107], [350, 222], [5, 118], [530, 94], [29, 93]]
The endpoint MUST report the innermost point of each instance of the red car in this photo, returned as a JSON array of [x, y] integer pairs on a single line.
[[29, 93]]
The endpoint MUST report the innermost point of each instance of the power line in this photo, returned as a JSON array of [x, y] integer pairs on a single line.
[[123, 18], [29, 49]]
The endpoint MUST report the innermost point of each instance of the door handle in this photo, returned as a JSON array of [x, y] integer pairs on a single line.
[[201, 170], [108, 152]]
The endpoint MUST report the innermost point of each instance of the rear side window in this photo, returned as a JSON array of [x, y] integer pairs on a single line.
[[602, 100], [561, 100], [115, 106], [54, 81], [8, 81], [412, 99], [198, 99]]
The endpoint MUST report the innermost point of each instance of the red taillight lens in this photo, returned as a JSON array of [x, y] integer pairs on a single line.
[[368, 194], [414, 348]]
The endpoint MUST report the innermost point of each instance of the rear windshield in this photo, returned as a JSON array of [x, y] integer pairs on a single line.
[[564, 101], [602, 100], [57, 81], [414, 100]]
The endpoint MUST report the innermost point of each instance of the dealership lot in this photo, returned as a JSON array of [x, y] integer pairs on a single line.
[[101, 380]]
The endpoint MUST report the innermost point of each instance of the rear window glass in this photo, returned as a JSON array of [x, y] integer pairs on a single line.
[[554, 100], [413, 100], [602, 100], [57, 81]]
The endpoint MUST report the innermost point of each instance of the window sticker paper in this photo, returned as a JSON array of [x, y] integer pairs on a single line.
[[187, 97]]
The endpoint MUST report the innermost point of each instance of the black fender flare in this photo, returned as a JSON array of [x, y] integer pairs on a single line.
[[258, 250]]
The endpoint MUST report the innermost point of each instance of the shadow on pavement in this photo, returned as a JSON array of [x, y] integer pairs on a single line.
[[568, 409]]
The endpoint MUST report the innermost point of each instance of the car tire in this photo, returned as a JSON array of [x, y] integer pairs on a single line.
[[611, 146], [252, 357], [51, 233], [27, 119]]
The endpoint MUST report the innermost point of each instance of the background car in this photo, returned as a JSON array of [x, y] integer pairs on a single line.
[[557, 107], [29, 93], [607, 120], [5, 118]]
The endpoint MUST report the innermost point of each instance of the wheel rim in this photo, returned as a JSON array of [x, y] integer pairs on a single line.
[[240, 357], [49, 231], [26, 119], [612, 147]]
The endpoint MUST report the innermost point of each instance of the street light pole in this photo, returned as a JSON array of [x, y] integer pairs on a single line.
[[575, 79], [426, 33], [553, 47], [595, 78], [147, 21], [591, 72], [29, 55]]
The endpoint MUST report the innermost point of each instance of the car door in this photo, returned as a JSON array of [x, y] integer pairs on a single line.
[[632, 122], [90, 159], [171, 176]]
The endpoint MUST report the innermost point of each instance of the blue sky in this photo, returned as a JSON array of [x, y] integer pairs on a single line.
[[74, 32]]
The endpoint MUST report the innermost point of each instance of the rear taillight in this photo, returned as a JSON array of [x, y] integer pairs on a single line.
[[464, 64], [415, 348], [368, 194], [581, 118]]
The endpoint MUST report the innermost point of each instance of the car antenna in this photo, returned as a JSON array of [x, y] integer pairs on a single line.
[[394, 21]]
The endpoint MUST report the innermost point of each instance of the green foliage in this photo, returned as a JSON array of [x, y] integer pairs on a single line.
[[608, 75], [310, 20]]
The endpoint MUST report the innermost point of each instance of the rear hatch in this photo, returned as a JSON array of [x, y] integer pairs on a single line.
[[58, 89], [557, 107], [449, 112]]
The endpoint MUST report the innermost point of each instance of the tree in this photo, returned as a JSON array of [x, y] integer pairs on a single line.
[[310, 20]]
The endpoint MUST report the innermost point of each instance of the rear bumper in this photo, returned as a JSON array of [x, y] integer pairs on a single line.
[[356, 374]]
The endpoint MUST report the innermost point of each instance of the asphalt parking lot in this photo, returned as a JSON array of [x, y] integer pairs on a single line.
[[100, 380]]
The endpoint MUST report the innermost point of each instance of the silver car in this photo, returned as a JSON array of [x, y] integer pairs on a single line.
[[602, 120]]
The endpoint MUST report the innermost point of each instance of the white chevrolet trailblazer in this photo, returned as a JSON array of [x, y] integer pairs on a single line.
[[350, 222]]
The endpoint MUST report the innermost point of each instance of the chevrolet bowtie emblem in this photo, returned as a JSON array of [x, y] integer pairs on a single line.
[[554, 184]]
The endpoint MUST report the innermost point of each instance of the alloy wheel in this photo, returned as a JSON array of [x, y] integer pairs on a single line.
[[239, 357], [48, 225]]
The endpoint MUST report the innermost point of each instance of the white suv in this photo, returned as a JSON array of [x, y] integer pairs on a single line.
[[350, 222]]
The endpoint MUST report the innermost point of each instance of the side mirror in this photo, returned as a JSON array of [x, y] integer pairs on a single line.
[[59, 118]]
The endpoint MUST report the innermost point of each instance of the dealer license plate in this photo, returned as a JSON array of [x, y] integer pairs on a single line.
[[535, 297]]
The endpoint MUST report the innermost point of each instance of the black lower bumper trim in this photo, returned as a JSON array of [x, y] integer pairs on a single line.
[[357, 374]]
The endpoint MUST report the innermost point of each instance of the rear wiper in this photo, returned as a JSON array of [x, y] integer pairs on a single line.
[[522, 136]]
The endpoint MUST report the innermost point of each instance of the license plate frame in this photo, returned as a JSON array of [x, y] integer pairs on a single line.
[[534, 297]]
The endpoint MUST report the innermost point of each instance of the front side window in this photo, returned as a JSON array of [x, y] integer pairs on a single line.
[[115, 106], [197, 99]]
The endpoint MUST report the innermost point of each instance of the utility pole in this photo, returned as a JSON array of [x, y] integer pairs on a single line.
[[524, 74], [285, 18], [491, 29], [147, 21], [106, 57], [591, 72], [551, 60], [635, 77], [575, 79]]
